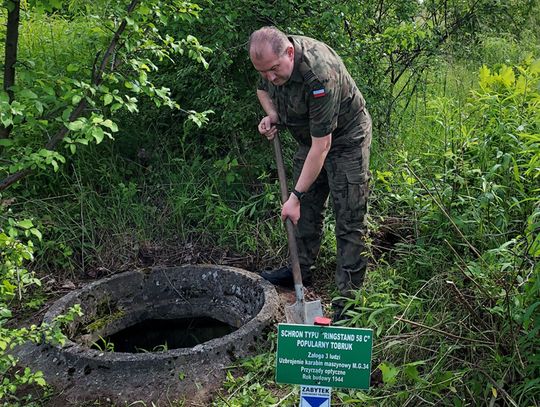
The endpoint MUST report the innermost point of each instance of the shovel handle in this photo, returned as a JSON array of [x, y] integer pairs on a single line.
[[293, 249]]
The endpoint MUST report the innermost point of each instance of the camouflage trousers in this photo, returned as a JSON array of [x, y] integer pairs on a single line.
[[345, 178]]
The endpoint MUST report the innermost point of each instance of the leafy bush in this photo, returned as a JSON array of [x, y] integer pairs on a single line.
[[72, 97], [16, 249]]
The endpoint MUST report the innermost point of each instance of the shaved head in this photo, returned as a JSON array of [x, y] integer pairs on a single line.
[[267, 37]]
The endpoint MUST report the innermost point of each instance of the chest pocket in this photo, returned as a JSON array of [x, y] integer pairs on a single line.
[[297, 107], [281, 103], [298, 118]]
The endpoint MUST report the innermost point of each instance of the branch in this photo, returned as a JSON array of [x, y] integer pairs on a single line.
[[11, 44], [487, 295], [447, 334], [99, 76], [466, 304], [497, 385], [13, 178], [59, 136], [78, 111], [478, 368], [442, 208], [407, 59], [348, 29]]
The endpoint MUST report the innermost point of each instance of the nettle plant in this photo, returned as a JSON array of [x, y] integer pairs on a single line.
[[474, 197], [61, 100], [488, 190], [16, 249], [483, 185]]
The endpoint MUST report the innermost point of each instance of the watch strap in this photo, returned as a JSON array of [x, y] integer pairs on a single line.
[[299, 195]]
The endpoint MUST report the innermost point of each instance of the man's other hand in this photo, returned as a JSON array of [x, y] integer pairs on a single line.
[[291, 209], [267, 128]]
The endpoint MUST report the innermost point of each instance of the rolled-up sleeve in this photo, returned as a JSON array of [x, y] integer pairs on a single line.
[[263, 85]]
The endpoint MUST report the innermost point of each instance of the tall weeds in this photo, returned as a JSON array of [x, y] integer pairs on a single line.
[[457, 313]]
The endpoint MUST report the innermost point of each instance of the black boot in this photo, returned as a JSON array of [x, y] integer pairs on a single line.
[[283, 276], [339, 313]]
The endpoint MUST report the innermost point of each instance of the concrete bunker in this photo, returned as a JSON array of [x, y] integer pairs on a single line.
[[240, 299]]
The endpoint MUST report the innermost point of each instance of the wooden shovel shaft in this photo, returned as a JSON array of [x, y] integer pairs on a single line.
[[293, 249]]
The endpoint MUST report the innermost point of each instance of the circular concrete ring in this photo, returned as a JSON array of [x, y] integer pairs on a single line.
[[231, 295]]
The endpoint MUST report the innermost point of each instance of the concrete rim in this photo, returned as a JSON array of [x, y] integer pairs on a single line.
[[265, 316]]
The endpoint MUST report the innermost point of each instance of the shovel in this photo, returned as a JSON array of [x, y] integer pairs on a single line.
[[301, 312]]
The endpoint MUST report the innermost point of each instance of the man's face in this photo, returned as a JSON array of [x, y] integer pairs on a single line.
[[275, 68]]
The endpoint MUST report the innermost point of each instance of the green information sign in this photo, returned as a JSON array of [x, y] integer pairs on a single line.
[[324, 356]]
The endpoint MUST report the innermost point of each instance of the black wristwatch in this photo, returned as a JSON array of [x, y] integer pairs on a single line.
[[299, 195]]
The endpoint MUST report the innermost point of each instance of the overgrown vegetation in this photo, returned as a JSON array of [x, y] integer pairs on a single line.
[[16, 248], [101, 147]]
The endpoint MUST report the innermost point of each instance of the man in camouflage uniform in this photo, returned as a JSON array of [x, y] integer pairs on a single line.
[[306, 87]]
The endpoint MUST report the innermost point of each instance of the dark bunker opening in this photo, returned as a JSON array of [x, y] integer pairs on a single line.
[[160, 335]]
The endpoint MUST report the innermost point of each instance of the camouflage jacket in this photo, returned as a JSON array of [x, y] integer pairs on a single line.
[[320, 97]]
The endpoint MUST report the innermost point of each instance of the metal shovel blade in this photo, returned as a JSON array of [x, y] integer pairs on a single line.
[[303, 312]]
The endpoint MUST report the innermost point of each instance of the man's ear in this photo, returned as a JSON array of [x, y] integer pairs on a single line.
[[290, 51]]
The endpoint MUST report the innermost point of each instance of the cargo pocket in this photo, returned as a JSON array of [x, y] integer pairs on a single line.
[[357, 193]]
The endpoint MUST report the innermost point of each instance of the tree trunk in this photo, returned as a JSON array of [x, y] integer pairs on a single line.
[[12, 39]]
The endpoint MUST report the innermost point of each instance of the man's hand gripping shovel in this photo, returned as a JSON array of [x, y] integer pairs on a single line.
[[301, 312]]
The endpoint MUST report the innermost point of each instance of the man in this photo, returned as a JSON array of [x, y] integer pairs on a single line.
[[306, 87]]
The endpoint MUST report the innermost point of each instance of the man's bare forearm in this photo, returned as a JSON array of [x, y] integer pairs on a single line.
[[314, 162], [267, 105]]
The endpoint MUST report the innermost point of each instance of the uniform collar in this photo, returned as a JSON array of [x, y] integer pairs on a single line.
[[296, 76]]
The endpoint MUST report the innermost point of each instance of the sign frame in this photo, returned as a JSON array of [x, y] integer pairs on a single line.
[[326, 356]]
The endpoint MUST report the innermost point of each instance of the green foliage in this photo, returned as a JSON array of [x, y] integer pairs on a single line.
[[470, 197], [250, 386], [103, 321], [458, 176], [103, 345], [484, 183], [16, 249], [77, 91], [15, 278]]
